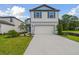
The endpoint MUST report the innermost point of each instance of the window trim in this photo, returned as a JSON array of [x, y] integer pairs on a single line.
[[40, 15], [53, 14]]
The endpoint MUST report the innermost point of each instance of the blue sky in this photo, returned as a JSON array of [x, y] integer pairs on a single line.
[[64, 8]]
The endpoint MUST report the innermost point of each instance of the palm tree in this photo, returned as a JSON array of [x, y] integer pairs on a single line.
[[22, 27]]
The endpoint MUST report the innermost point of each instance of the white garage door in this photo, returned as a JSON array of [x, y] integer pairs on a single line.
[[44, 29]]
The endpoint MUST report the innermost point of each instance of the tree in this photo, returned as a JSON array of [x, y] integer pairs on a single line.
[[65, 21], [73, 22], [22, 27], [69, 22]]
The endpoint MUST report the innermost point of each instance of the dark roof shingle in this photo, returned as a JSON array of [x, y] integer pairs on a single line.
[[5, 22], [52, 9]]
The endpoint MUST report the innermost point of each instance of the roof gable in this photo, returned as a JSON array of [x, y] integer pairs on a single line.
[[44, 7]]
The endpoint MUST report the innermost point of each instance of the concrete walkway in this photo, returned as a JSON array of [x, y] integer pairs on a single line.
[[52, 45]]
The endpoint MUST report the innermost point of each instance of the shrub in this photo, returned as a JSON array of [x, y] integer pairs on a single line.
[[59, 28], [12, 33]]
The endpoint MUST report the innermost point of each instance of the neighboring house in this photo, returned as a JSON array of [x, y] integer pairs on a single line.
[[44, 20], [28, 25], [9, 23]]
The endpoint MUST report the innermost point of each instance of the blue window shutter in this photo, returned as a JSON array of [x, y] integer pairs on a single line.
[[40, 14], [48, 14], [34, 14], [54, 14]]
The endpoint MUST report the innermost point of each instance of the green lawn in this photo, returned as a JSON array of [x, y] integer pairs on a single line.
[[75, 38], [72, 31], [71, 37], [13, 46]]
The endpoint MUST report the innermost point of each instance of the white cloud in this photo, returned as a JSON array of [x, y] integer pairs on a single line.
[[74, 11], [16, 11]]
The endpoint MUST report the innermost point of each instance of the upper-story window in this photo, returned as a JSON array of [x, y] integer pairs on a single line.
[[37, 14], [51, 14]]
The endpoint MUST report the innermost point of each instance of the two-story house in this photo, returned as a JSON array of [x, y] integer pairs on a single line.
[[9, 23], [44, 20]]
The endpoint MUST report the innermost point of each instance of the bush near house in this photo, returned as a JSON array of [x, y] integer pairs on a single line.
[[59, 28], [12, 33]]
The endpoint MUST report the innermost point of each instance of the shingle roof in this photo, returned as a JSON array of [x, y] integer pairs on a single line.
[[10, 17], [52, 9], [5, 22]]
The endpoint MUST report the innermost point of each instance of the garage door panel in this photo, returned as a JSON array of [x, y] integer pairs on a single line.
[[44, 29]]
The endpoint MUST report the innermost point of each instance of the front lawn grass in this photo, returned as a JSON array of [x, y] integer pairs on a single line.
[[76, 31], [14, 46], [74, 38]]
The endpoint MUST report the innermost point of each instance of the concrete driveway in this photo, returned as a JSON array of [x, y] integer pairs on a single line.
[[52, 45]]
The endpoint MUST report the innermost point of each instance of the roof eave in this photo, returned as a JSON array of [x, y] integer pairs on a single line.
[[46, 10], [53, 9], [5, 22]]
